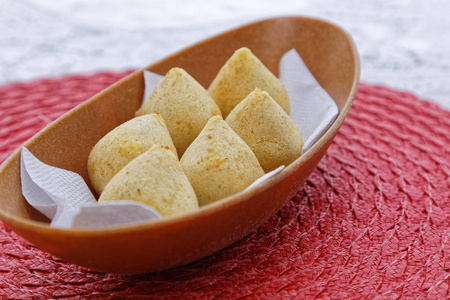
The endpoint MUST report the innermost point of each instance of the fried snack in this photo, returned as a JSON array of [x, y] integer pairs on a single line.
[[240, 75], [124, 143], [267, 129], [219, 163], [184, 104], [154, 178]]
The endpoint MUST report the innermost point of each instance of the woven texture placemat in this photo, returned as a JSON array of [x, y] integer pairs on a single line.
[[372, 221]]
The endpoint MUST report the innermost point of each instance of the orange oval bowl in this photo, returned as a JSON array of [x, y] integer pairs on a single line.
[[329, 54]]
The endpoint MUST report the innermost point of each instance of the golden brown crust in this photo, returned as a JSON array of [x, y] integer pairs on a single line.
[[219, 163], [154, 178], [240, 75], [267, 129], [124, 143], [184, 104]]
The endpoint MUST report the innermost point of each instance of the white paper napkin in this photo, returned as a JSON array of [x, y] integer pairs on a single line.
[[151, 81], [312, 109], [64, 197]]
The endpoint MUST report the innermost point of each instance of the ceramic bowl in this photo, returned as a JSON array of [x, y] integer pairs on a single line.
[[173, 241]]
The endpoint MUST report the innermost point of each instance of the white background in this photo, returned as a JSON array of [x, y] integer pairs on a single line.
[[402, 44]]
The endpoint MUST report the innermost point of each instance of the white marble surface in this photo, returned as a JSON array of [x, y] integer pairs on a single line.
[[402, 44]]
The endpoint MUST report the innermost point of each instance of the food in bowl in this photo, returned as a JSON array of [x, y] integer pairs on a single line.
[[154, 178], [241, 74], [219, 163], [267, 129], [184, 104], [123, 144]]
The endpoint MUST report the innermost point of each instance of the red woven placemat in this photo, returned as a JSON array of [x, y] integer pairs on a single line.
[[372, 221]]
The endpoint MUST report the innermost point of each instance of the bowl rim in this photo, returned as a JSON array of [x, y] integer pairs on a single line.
[[212, 208]]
